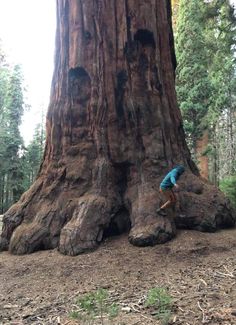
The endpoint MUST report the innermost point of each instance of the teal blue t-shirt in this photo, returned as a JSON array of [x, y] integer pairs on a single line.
[[171, 178]]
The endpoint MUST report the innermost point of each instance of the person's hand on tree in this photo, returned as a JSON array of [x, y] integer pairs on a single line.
[[176, 187]]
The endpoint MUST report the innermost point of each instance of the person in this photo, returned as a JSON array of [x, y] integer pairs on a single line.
[[166, 187]]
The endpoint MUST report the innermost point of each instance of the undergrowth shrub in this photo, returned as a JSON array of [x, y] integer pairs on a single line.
[[228, 186], [159, 300]]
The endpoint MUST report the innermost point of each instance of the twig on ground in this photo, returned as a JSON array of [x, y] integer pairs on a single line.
[[149, 318], [181, 309], [225, 274], [138, 311], [203, 281], [229, 272], [134, 309], [203, 313]]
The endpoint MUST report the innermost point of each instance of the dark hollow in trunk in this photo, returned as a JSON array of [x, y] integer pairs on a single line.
[[113, 131]]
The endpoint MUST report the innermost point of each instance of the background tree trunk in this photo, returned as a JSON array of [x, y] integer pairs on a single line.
[[201, 148], [113, 131]]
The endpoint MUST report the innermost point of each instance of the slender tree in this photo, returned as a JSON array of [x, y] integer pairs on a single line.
[[113, 131]]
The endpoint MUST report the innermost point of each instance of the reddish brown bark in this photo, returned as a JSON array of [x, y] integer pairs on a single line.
[[201, 147], [113, 131]]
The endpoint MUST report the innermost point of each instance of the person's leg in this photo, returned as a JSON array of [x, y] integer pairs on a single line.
[[171, 199]]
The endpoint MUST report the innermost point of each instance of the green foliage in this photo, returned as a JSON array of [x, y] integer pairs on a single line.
[[87, 303], [221, 41], [74, 314], [192, 81], [113, 310], [160, 300], [95, 305], [4, 79], [14, 146], [34, 153], [206, 78], [18, 165], [11, 142], [228, 186]]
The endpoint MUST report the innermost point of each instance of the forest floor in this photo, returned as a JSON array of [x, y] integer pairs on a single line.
[[197, 269]]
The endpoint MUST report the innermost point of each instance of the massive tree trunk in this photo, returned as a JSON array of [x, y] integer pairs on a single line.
[[113, 131]]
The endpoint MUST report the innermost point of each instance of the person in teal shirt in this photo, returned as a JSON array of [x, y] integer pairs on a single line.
[[166, 188]]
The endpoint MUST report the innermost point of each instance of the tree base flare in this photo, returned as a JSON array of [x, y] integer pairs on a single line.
[[77, 225], [154, 233]]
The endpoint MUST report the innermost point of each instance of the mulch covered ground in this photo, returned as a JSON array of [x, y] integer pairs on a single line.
[[198, 271]]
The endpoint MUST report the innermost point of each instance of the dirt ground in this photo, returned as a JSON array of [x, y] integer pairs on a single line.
[[197, 269]]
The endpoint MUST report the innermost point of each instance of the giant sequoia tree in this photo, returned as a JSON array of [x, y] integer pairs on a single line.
[[113, 130]]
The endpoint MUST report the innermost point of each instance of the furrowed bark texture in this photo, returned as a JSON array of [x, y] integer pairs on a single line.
[[113, 131]]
